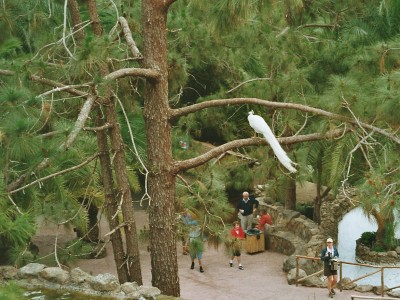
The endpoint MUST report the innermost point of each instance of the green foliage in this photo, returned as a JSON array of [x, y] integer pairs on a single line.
[[389, 237], [206, 201], [368, 239], [11, 291], [196, 246]]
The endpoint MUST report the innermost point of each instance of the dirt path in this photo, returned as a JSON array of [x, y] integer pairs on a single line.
[[261, 279]]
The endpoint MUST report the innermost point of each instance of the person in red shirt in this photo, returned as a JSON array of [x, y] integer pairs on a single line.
[[237, 235], [264, 219]]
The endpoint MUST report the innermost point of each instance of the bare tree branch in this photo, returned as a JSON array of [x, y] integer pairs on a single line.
[[247, 81], [53, 83], [80, 121], [55, 174], [318, 25], [316, 111], [95, 129], [65, 30], [83, 115], [7, 72], [128, 37], [13, 185], [138, 72], [201, 159]]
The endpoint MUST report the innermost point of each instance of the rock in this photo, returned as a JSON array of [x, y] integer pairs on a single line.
[[289, 263], [78, 276], [149, 291], [8, 272], [30, 270], [392, 254], [394, 294], [377, 290], [55, 274], [129, 287], [260, 187], [104, 283], [315, 282], [291, 276], [364, 288], [344, 284]]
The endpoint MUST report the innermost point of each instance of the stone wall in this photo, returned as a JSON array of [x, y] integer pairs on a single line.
[[294, 234], [365, 255], [333, 210], [36, 276]]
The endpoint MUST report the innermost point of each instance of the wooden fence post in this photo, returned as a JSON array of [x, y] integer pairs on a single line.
[[297, 270], [382, 282]]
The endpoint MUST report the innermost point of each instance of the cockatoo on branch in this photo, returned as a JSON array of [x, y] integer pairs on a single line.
[[260, 126]]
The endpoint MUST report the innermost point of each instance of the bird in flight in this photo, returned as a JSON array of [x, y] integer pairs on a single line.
[[260, 126]]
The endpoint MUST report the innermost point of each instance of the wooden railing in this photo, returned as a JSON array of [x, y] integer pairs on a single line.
[[355, 297], [381, 269]]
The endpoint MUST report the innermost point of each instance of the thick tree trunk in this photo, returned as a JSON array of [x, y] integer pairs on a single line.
[[132, 248], [159, 152], [318, 199], [76, 19], [132, 259], [380, 232], [290, 194], [111, 205]]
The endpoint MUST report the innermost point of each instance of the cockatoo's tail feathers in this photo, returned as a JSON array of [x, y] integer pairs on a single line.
[[260, 126]]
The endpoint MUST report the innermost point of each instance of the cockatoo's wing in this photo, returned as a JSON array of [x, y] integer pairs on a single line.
[[260, 126]]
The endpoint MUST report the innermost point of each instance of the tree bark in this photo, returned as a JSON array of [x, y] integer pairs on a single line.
[[76, 19], [318, 199], [161, 181], [290, 193], [131, 259], [380, 232], [111, 206]]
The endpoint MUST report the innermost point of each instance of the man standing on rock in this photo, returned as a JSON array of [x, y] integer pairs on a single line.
[[247, 206]]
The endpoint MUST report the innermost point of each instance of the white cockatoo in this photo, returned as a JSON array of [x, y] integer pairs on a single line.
[[260, 126]]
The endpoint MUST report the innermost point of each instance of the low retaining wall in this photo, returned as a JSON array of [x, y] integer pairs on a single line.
[[294, 234], [36, 276], [365, 255]]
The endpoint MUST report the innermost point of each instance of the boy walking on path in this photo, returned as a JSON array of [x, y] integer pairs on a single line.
[[237, 235]]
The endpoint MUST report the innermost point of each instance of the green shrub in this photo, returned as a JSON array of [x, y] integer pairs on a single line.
[[11, 291], [389, 240], [377, 248], [368, 238]]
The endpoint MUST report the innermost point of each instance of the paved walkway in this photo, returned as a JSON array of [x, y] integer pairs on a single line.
[[261, 279]]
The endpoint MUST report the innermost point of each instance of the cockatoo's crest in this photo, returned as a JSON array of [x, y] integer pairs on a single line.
[[260, 126]]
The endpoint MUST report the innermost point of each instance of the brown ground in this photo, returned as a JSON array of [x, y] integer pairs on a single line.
[[261, 279]]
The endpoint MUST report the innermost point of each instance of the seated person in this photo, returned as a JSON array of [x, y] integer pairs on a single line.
[[264, 219]]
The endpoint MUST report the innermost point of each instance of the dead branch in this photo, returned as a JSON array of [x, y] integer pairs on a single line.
[[80, 121], [247, 81], [137, 72], [128, 37], [318, 25], [316, 111], [201, 159], [100, 128], [56, 174]]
